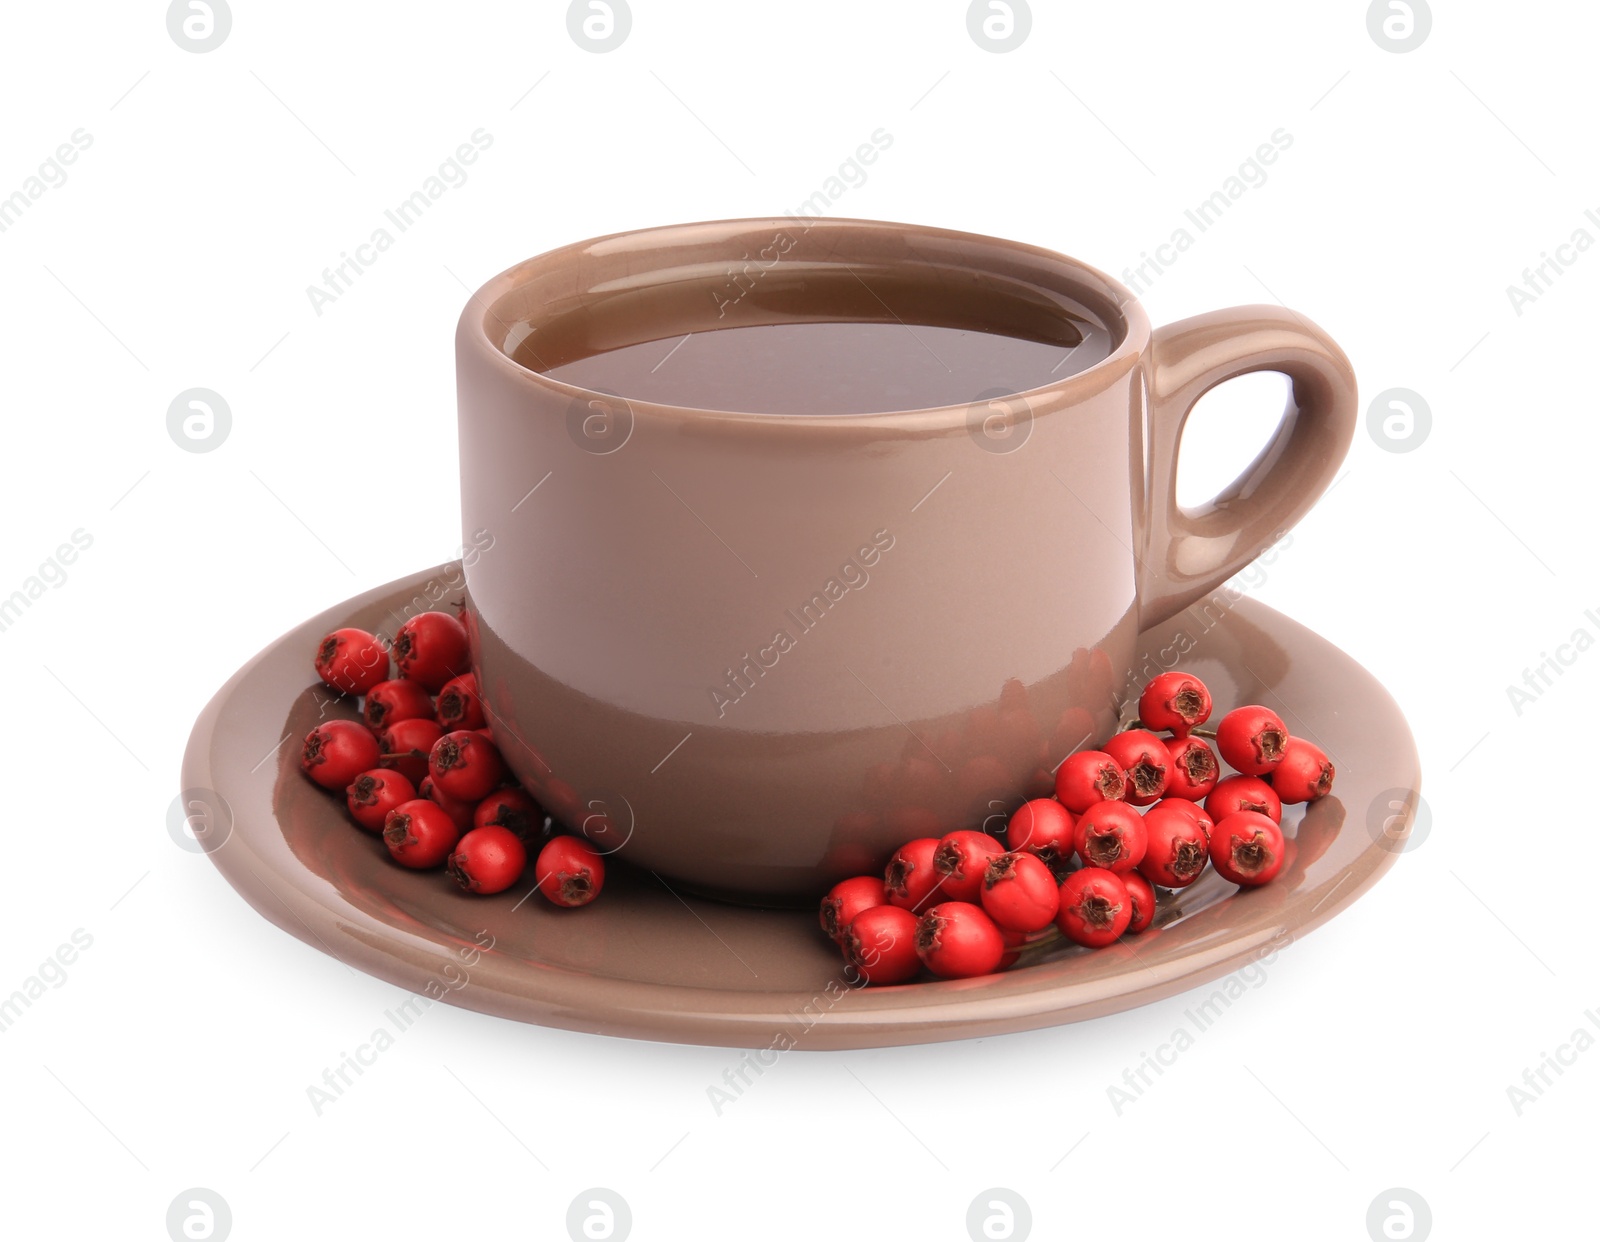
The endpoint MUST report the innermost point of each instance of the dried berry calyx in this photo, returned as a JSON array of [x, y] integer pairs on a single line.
[[1146, 778], [1104, 848], [1000, 867], [1188, 858], [1252, 855], [576, 889], [1098, 911], [1188, 704]]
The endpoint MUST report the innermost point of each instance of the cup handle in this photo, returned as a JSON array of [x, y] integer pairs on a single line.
[[1190, 552]]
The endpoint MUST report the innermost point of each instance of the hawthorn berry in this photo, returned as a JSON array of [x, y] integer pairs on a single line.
[[1247, 848], [465, 765], [1252, 739], [1192, 809], [846, 899], [462, 814], [1244, 793], [1110, 835], [881, 943], [372, 795], [1176, 702], [459, 706], [957, 940], [1142, 898], [512, 808], [1194, 768], [1088, 777], [1177, 847], [960, 860], [1018, 892], [419, 834], [1094, 907], [1042, 827], [1143, 757], [569, 871], [405, 746], [389, 702], [488, 860], [1016, 941], [351, 661], [338, 751], [432, 647], [909, 879], [1304, 774]]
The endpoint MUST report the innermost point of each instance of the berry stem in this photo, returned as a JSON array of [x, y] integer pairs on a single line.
[[1197, 731]]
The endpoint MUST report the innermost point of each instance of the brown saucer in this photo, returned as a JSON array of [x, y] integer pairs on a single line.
[[651, 963]]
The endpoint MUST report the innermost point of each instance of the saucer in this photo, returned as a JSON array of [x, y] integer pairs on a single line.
[[651, 962]]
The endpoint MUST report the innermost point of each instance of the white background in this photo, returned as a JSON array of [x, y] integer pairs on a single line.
[[177, 254]]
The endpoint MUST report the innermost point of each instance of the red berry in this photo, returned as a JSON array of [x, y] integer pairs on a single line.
[[488, 860], [1013, 940], [338, 751], [910, 879], [881, 943], [459, 706], [1144, 758], [1088, 777], [1019, 893], [846, 899], [1252, 739], [1247, 848], [419, 834], [1095, 908], [391, 701], [1176, 851], [514, 809], [1110, 835], [1043, 827], [1304, 774], [405, 746], [1192, 809], [1244, 793], [570, 872], [1176, 702], [372, 795], [465, 765], [351, 661], [957, 940], [432, 648], [462, 814], [1194, 769], [1142, 898], [960, 860]]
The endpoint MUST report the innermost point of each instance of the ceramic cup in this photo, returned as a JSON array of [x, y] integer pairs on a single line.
[[754, 653]]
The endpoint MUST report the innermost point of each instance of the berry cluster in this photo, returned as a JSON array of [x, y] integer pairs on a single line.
[[424, 772], [1086, 863]]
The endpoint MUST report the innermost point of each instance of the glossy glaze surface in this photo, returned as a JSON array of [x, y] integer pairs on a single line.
[[771, 647], [650, 962]]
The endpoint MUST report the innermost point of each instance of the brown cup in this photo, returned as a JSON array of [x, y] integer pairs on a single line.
[[757, 652]]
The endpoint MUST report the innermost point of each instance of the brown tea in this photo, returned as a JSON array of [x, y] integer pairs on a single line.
[[835, 368]]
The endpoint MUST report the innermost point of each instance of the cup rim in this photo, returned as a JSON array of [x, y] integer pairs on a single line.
[[1119, 310]]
